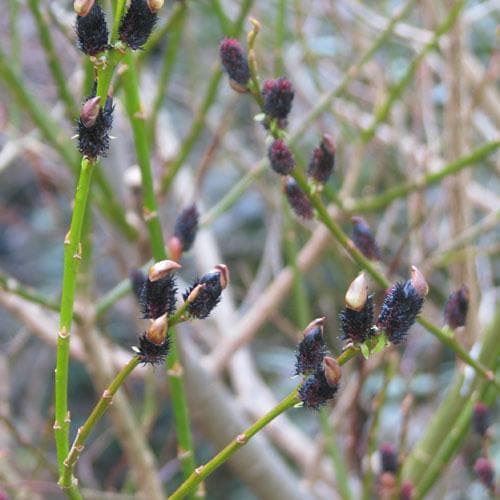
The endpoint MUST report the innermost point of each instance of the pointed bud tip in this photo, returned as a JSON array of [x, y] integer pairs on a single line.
[[332, 369], [357, 293], [155, 5], [418, 281], [312, 327], [157, 331], [160, 269], [193, 295], [329, 143], [82, 7], [223, 270], [90, 111]]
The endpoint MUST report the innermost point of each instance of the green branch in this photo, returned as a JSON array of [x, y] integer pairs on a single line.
[[72, 256], [141, 140]]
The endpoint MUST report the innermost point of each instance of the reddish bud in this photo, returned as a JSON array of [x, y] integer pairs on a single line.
[[407, 489], [297, 199], [481, 419], [278, 97], [90, 111], [281, 157], [457, 305], [323, 160], [157, 332], [485, 473], [234, 62]]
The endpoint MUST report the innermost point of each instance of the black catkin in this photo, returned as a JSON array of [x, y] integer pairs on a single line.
[[357, 326], [137, 24], [92, 31], [310, 351], [152, 353], [186, 227], [208, 296], [316, 391], [363, 239], [158, 297], [93, 141], [399, 311]]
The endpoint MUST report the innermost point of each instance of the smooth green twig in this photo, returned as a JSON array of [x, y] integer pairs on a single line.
[[72, 256], [204, 471], [289, 401], [337, 232], [176, 380], [98, 411]]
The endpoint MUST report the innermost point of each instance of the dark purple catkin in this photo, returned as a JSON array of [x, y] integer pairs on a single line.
[[456, 307], [158, 297], [234, 61], [297, 199], [186, 227], [278, 96], [388, 458], [317, 390], [363, 238], [137, 24], [480, 419], [323, 160], [281, 157], [311, 349], [485, 472], [401, 306], [93, 134], [92, 31], [357, 326], [209, 295]]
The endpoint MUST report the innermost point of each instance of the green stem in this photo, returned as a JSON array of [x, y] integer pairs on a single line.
[[54, 135], [337, 458], [98, 411], [380, 279], [176, 379], [288, 402], [11, 285], [72, 255], [53, 60], [137, 120], [204, 471], [450, 423], [382, 200]]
